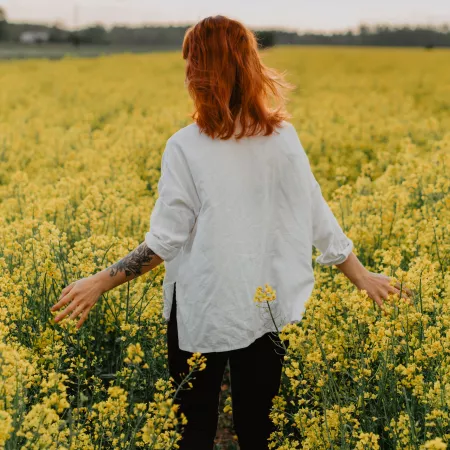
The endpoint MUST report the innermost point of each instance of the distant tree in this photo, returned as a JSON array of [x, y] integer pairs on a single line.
[[74, 39], [364, 30], [3, 25], [265, 38], [57, 33], [94, 35]]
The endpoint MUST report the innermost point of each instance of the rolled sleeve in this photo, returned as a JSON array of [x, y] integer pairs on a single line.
[[176, 207], [328, 236]]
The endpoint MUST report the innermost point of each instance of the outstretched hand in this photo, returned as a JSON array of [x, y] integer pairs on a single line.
[[378, 287], [80, 296]]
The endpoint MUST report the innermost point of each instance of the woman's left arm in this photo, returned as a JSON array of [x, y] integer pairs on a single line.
[[83, 294], [171, 222]]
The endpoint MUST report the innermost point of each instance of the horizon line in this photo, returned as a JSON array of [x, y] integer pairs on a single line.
[[168, 24]]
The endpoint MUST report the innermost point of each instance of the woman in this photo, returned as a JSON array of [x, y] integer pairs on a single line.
[[238, 207]]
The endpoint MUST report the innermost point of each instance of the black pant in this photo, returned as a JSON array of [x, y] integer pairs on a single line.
[[255, 373]]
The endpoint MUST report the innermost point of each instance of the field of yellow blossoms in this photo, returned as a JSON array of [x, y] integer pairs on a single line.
[[80, 152]]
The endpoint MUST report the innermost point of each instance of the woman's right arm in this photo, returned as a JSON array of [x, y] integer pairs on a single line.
[[337, 248]]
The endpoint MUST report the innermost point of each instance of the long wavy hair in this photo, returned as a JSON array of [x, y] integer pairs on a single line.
[[228, 82]]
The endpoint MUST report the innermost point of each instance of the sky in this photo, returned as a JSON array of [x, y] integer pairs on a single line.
[[295, 15]]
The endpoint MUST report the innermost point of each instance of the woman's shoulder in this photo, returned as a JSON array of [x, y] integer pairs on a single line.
[[287, 125], [189, 131]]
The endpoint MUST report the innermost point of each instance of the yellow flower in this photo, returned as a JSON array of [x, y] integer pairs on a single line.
[[5, 427], [435, 444], [268, 294], [197, 361], [134, 354]]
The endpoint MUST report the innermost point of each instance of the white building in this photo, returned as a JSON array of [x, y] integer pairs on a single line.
[[34, 37]]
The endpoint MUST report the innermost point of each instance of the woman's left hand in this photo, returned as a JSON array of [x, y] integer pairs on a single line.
[[81, 295]]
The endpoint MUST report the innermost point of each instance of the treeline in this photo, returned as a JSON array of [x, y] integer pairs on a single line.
[[172, 36], [380, 35]]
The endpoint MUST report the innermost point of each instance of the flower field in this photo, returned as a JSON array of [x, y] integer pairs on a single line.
[[80, 151]]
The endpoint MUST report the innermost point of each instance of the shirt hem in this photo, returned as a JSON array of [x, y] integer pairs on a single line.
[[229, 347]]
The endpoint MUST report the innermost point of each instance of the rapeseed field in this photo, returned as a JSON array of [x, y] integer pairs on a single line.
[[80, 152]]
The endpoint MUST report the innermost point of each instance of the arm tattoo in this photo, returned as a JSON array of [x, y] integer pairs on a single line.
[[134, 261]]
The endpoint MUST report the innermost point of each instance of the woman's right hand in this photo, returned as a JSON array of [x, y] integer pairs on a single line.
[[378, 286]]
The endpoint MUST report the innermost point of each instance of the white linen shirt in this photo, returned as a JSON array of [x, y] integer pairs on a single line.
[[231, 216]]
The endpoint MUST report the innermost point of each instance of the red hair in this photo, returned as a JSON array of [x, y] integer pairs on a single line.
[[227, 79]]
